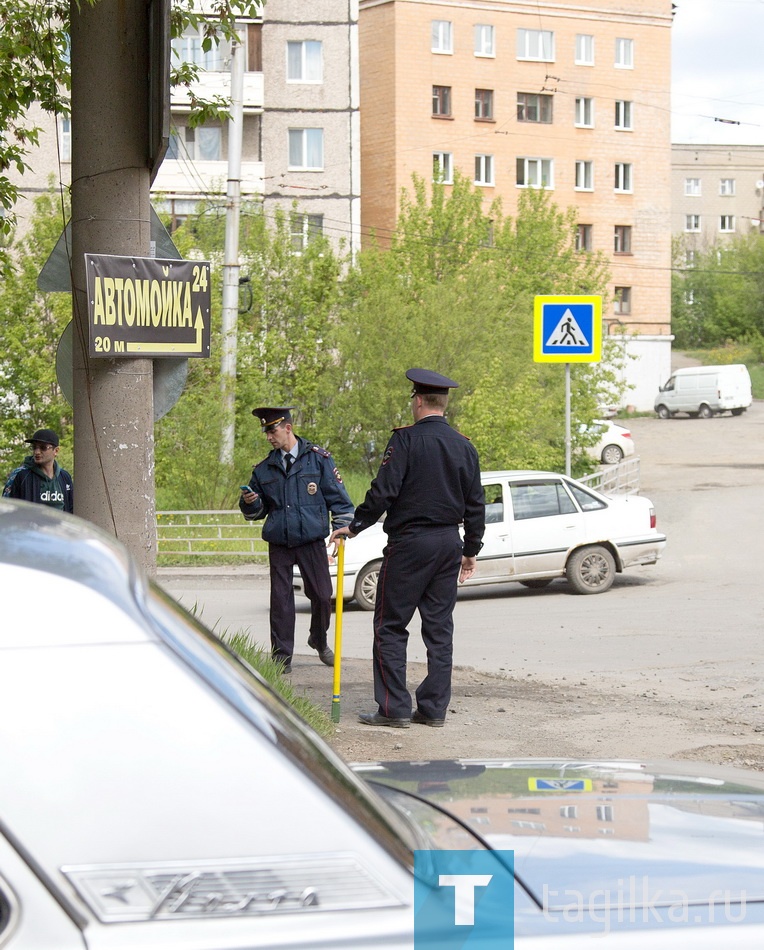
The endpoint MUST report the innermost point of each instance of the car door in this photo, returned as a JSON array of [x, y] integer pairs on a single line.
[[495, 560], [546, 524]]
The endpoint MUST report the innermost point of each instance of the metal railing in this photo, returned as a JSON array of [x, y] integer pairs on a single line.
[[208, 534], [226, 534], [619, 479]]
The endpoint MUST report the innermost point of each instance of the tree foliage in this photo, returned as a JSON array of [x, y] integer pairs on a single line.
[[35, 69], [31, 325], [719, 295]]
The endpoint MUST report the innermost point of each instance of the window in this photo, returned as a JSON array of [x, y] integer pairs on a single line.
[[306, 149], [692, 222], [604, 812], [304, 228], [535, 172], [532, 825], [540, 499], [585, 111], [584, 49], [622, 239], [200, 144], [584, 176], [727, 222], [535, 44], [692, 187], [622, 302], [484, 169], [484, 40], [189, 48], [484, 103], [305, 61], [584, 237], [727, 186], [441, 100], [623, 176], [532, 107], [442, 36], [624, 53], [623, 110], [690, 257], [568, 811], [65, 139], [178, 210], [442, 167]]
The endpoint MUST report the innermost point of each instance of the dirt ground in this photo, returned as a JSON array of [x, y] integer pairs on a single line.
[[503, 717]]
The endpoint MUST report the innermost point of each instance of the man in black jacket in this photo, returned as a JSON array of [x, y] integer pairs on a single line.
[[295, 488], [40, 478], [428, 483]]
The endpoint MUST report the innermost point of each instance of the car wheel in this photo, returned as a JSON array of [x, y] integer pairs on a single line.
[[537, 583], [705, 412], [612, 454], [591, 570], [365, 592], [663, 412], [737, 412]]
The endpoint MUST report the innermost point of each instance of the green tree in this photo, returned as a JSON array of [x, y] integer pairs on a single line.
[[455, 291], [285, 346], [35, 70], [719, 295], [31, 324]]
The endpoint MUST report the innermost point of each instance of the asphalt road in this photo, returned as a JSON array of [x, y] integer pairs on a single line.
[[679, 629]]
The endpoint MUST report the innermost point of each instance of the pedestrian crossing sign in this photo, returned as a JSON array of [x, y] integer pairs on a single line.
[[567, 329]]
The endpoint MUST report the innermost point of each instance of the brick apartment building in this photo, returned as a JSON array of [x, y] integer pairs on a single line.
[[573, 98]]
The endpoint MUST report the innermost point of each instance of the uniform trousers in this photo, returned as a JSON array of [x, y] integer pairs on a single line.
[[312, 560], [420, 570]]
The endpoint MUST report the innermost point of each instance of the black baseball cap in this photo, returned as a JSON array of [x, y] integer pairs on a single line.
[[44, 435], [427, 381], [272, 416]]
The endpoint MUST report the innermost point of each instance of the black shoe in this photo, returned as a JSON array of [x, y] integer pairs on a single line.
[[324, 654], [286, 667], [417, 717], [377, 719]]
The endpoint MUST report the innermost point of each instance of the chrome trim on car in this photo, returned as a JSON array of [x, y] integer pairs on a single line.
[[119, 893]]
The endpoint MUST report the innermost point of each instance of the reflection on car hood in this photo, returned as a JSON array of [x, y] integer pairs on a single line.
[[588, 832]]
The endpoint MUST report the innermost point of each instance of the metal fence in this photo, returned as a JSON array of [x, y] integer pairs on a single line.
[[208, 534], [620, 479], [227, 534]]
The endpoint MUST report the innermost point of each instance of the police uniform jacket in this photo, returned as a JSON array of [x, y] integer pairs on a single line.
[[296, 506], [429, 477]]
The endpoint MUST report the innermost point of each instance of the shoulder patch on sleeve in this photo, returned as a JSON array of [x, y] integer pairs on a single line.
[[320, 451]]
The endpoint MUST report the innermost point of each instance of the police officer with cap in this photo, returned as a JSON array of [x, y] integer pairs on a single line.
[[429, 484], [295, 488]]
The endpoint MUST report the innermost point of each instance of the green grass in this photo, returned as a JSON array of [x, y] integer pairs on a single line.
[[261, 660]]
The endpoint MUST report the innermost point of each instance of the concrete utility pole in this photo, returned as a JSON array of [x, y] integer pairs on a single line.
[[113, 399], [230, 313]]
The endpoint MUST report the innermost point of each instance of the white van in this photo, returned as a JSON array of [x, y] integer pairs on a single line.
[[705, 390]]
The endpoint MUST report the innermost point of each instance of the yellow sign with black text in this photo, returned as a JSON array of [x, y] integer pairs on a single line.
[[145, 307]]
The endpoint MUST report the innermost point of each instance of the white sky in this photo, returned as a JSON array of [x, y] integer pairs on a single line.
[[718, 72]]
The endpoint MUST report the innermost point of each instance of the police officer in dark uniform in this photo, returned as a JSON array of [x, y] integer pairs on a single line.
[[295, 488], [429, 484]]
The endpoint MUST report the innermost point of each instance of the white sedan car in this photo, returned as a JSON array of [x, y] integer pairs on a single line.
[[539, 526], [614, 442]]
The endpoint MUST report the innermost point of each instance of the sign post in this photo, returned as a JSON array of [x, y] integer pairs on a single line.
[[142, 306], [567, 330]]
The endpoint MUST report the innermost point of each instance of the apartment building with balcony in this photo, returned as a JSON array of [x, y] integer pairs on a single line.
[[717, 193], [520, 94], [301, 129], [300, 134]]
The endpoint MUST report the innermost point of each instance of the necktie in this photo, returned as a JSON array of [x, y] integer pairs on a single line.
[[288, 460]]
